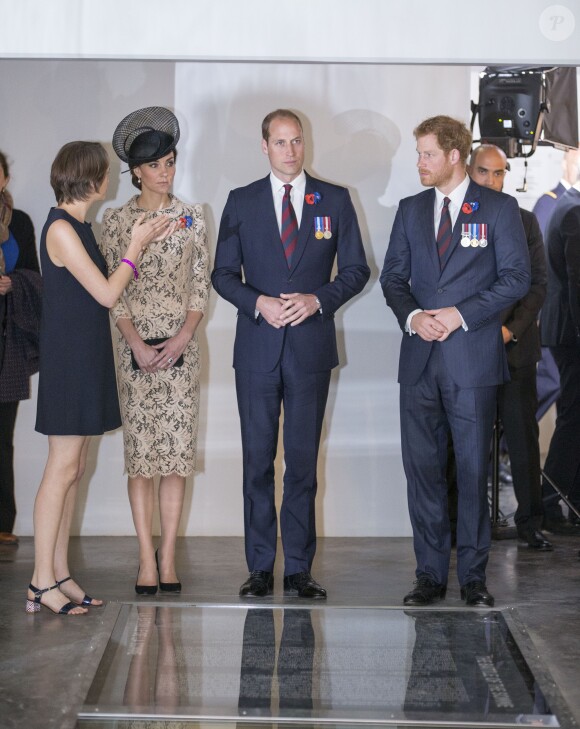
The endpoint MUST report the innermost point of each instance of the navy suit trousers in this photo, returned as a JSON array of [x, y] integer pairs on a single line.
[[260, 399], [430, 409], [563, 460]]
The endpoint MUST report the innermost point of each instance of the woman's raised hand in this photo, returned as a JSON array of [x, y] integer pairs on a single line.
[[153, 229]]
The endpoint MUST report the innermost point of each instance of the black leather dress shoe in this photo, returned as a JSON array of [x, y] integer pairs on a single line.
[[561, 526], [425, 592], [475, 593], [304, 585], [258, 584], [536, 540]]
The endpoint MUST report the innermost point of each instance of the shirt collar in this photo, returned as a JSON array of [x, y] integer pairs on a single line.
[[456, 196], [298, 183]]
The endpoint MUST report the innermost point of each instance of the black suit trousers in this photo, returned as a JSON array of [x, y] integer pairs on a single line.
[[8, 412], [518, 403], [563, 460]]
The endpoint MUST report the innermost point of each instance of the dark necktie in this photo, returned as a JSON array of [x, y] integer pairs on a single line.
[[289, 231], [444, 232]]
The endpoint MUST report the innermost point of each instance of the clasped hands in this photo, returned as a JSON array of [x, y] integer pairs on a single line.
[[290, 309], [435, 325], [152, 358]]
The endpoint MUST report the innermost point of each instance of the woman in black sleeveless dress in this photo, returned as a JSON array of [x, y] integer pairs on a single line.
[[77, 395]]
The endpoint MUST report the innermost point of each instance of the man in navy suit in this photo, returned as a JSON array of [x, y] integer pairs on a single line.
[[278, 241], [456, 259], [560, 330]]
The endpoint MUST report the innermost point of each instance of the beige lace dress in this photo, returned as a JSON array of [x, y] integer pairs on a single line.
[[160, 410]]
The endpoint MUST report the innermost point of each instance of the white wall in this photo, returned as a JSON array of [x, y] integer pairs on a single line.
[[359, 121], [370, 31]]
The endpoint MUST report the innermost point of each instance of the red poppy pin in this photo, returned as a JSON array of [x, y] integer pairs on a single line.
[[470, 207], [312, 198]]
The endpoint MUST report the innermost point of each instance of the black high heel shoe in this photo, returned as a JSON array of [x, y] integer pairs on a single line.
[[174, 587], [144, 589]]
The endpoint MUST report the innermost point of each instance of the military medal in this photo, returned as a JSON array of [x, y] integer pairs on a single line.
[[318, 228], [474, 235], [483, 239], [465, 239], [327, 230]]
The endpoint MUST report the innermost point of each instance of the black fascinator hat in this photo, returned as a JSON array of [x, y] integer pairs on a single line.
[[146, 135]]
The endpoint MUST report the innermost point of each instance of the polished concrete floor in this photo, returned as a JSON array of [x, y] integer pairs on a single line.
[[48, 663]]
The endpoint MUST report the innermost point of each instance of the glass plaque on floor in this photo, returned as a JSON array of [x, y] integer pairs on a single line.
[[310, 666]]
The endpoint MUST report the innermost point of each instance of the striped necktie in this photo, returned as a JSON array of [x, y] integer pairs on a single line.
[[444, 232], [289, 231]]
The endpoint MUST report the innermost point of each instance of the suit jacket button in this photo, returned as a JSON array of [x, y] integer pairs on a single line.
[[440, 291]]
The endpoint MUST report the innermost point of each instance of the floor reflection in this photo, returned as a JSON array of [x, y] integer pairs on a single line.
[[331, 664], [295, 662], [469, 667], [153, 675]]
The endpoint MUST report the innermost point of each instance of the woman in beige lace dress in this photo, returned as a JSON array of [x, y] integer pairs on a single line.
[[158, 380]]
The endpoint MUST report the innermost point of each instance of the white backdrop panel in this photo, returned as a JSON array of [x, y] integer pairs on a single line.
[[358, 122]]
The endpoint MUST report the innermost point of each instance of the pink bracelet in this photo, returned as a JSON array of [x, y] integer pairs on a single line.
[[133, 266]]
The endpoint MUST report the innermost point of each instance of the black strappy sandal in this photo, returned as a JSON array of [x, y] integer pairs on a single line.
[[33, 606], [87, 600]]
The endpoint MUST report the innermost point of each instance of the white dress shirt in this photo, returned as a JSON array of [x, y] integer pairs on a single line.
[[296, 196]]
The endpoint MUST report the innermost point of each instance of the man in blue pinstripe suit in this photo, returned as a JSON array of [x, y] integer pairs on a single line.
[[457, 257]]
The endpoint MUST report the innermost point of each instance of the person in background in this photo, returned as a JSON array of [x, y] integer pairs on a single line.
[[20, 304], [560, 331], [547, 376], [546, 203], [158, 362], [517, 399], [77, 392]]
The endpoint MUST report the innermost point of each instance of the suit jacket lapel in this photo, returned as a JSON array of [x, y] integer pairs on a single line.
[[268, 212], [426, 223]]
